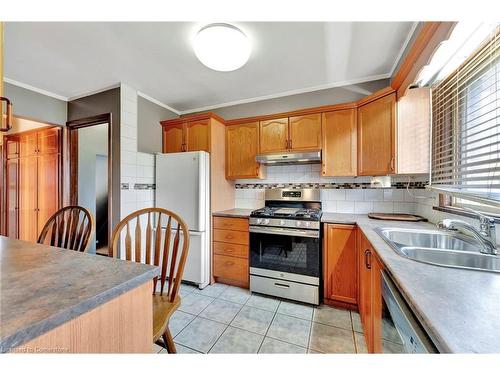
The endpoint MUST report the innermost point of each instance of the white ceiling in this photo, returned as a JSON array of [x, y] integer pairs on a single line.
[[71, 59]]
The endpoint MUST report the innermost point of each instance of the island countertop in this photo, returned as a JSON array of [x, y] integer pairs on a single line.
[[458, 308], [42, 287]]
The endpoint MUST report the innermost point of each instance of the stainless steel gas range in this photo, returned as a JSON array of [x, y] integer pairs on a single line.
[[285, 245]]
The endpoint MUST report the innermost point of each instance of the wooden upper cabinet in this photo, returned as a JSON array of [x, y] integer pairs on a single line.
[[197, 136], [28, 144], [28, 198], [376, 137], [48, 141], [339, 143], [305, 132], [173, 138], [340, 264], [273, 136], [414, 125], [242, 143]]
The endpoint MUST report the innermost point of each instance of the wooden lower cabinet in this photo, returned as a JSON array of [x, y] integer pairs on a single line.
[[230, 251], [340, 266], [370, 294]]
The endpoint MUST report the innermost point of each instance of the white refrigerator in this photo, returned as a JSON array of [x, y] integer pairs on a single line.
[[183, 186]]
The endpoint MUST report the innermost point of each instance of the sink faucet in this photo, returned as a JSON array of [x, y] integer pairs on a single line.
[[485, 234]]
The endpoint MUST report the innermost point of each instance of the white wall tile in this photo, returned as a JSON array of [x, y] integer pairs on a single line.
[[345, 207], [354, 195], [363, 207], [373, 195]]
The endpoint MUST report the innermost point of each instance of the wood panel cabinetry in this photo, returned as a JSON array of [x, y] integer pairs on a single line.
[[377, 137], [370, 294], [273, 136], [197, 135], [339, 130], [230, 250], [32, 180], [242, 144], [305, 132], [173, 138], [183, 135], [340, 265]]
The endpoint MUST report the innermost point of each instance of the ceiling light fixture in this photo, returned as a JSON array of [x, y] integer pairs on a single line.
[[222, 47]]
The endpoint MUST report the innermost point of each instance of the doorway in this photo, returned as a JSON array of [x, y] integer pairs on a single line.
[[90, 174]]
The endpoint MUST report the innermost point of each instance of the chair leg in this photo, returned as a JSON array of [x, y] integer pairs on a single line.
[[169, 342]]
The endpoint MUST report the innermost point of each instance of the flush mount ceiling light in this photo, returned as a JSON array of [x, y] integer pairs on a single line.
[[222, 47]]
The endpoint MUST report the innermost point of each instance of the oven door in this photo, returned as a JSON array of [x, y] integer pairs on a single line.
[[287, 250]]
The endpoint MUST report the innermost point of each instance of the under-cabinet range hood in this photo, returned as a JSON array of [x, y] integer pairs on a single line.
[[313, 157]]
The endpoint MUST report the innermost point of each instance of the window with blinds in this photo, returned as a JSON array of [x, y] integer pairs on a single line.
[[466, 125]]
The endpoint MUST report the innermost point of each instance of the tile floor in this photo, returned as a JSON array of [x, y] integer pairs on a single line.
[[226, 319]]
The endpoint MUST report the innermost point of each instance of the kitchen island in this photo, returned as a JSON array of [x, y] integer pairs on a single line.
[[60, 301]]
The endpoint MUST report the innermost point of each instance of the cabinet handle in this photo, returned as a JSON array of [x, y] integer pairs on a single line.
[[392, 164], [229, 263], [229, 236], [290, 144], [229, 250], [368, 254], [282, 285], [286, 144]]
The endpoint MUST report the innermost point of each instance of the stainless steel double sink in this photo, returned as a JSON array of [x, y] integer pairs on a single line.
[[439, 248]]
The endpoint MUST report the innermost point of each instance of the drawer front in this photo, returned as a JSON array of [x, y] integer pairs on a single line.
[[231, 268], [231, 236], [231, 223], [231, 249], [285, 289]]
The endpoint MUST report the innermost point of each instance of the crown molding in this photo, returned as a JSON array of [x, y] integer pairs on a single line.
[[157, 102], [290, 93], [35, 89]]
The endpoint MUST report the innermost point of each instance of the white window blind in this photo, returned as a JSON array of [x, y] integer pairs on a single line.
[[466, 125]]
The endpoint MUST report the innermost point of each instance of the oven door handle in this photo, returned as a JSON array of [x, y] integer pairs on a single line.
[[285, 231]]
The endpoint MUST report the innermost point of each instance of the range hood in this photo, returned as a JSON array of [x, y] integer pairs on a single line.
[[294, 158]]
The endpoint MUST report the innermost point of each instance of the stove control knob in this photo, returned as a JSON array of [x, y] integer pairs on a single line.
[[266, 221], [259, 221], [282, 222], [298, 223], [307, 224]]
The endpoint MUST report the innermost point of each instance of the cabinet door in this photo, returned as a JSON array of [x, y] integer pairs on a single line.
[[12, 186], [340, 264], [48, 188], [305, 132], [48, 141], [28, 229], [242, 143], [28, 144], [198, 136], [273, 136], [12, 147], [376, 137], [173, 138], [339, 143]]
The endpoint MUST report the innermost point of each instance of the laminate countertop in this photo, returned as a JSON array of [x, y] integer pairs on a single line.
[[42, 287], [459, 309]]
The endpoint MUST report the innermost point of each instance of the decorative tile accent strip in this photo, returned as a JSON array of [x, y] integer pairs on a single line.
[[330, 185], [124, 186], [144, 186]]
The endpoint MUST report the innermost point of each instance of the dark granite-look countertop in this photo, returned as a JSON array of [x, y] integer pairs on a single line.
[[459, 309], [235, 212], [43, 287]]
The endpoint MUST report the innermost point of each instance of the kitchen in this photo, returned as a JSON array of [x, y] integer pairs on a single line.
[[335, 218]]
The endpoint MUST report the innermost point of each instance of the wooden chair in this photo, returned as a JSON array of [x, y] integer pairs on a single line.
[[71, 228], [163, 253]]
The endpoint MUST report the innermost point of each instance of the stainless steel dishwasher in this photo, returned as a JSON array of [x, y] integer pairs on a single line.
[[401, 332]]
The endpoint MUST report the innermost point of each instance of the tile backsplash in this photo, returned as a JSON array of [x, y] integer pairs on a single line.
[[344, 195]]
